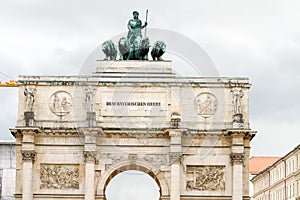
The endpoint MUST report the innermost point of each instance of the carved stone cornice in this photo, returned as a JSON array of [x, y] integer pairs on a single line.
[[237, 158], [28, 155], [175, 157], [90, 156], [20, 131], [135, 134]]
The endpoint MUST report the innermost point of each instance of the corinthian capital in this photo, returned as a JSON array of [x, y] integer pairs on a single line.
[[90, 156], [28, 155], [237, 158], [175, 157]]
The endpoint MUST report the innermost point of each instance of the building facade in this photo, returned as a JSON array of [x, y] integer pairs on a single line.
[[258, 164], [7, 170], [75, 133], [281, 181]]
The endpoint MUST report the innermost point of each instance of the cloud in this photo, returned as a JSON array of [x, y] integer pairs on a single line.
[[255, 39]]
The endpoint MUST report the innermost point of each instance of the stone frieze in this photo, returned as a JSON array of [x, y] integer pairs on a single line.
[[205, 178], [59, 177]]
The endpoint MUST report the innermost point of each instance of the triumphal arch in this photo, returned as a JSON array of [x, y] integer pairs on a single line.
[[75, 133]]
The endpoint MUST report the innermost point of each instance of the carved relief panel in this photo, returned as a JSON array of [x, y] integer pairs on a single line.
[[60, 103], [59, 177], [207, 104], [205, 178]]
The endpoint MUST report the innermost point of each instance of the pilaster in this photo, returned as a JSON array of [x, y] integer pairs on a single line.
[[89, 155], [175, 160], [237, 159], [28, 158]]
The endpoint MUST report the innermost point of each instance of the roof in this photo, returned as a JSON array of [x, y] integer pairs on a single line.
[[259, 163]]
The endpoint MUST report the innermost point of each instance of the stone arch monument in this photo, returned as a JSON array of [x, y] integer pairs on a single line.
[[191, 135]]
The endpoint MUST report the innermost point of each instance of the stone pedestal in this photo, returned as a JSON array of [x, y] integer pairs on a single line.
[[29, 118], [238, 121], [91, 119], [134, 66]]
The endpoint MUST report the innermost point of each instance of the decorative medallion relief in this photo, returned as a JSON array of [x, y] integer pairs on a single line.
[[60, 103], [207, 104], [205, 178], [59, 177]]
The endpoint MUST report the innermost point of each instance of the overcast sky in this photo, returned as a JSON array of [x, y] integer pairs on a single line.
[[259, 39]]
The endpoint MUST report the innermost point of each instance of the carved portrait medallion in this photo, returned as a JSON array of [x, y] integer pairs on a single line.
[[60, 103], [207, 104]]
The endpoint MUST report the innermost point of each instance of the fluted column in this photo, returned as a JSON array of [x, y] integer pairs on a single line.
[[237, 173], [175, 156], [28, 157], [90, 161], [175, 176]]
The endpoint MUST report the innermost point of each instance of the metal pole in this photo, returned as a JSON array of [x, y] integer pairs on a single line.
[[146, 22]]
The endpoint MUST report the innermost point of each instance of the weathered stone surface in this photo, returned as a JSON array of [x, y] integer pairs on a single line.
[[205, 178], [86, 132], [59, 177]]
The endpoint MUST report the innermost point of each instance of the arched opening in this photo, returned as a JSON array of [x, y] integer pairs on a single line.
[[132, 185]]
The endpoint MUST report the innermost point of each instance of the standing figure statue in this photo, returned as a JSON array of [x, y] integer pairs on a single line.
[[237, 95], [136, 40], [89, 99], [135, 28], [29, 95]]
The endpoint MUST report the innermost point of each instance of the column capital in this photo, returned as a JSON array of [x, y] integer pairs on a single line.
[[237, 158], [175, 157], [28, 155], [90, 157]]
